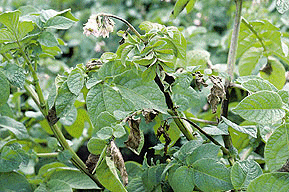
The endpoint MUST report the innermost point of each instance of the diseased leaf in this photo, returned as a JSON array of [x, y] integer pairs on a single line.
[[263, 107], [244, 172], [274, 72], [211, 175], [276, 149], [109, 178], [135, 139], [270, 182]]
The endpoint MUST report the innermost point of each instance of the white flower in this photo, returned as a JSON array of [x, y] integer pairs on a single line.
[[98, 25]]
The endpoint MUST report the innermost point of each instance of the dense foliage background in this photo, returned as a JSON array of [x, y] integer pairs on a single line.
[[207, 30]]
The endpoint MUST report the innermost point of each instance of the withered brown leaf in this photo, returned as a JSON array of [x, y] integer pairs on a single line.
[[149, 114], [117, 158], [134, 137], [217, 92], [91, 162]]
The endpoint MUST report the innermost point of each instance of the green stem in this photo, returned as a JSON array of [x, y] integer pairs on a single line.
[[243, 20], [203, 121], [231, 64], [38, 97], [127, 23], [100, 158], [47, 155], [225, 151]]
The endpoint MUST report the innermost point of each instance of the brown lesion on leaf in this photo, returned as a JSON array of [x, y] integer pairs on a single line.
[[52, 117], [134, 137], [149, 114], [285, 167], [267, 68], [92, 64], [91, 162], [217, 92], [199, 80], [114, 152]]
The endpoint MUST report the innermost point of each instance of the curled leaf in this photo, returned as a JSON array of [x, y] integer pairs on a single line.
[[135, 137], [149, 114], [91, 162], [217, 92], [117, 158]]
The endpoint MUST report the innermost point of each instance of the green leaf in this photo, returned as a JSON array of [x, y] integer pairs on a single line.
[[243, 172], [263, 107], [104, 133], [151, 177], [58, 186], [10, 19], [133, 169], [96, 145], [182, 180], [108, 176], [282, 6], [276, 149], [187, 149], [198, 57], [250, 130], [17, 128], [75, 179], [135, 185], [190, 6], [64, 156], [59, 22], [119, 131], [179, 41], [64, 100], [48, 39], [179, 7], [103, 97], [75, 81], [270, 182], [13, 181], [211, 175], [251, 62], [284, 96], [15, 75], [255, 85], [6, 36], [70, 118], [76, 129], [5, 89], [207, 150], [142, 94], [125, 51], [9, 159], [274, 72], [149, 74], [24, 28]]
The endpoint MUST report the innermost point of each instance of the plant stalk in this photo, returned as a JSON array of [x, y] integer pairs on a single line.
[[172, 110], [231, 65], [38, 97]]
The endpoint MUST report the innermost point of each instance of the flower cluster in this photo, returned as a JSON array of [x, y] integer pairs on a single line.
[[98, 25]]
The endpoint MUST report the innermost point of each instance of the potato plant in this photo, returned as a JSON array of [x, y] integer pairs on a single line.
[[236, 141]]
